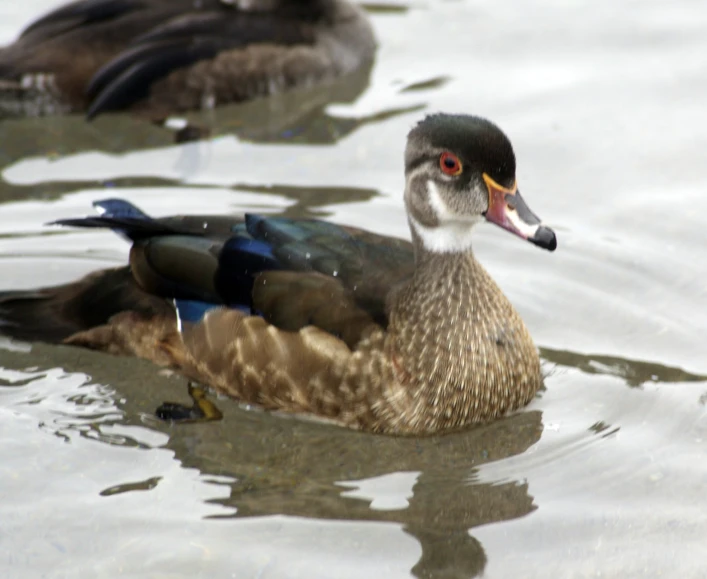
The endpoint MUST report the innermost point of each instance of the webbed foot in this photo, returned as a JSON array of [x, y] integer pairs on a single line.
[[202, 410]]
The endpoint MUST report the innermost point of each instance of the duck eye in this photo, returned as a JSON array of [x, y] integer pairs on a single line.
[[450, 164]]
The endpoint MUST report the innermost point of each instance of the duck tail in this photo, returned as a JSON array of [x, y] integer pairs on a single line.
[[54, 314], [25, 315], [123, 218]]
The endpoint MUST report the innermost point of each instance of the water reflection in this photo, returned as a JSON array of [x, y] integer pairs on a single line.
[[285, 466], [272, 465], [307, 202], [296, 117], [288, 467], [275, 465], [633, 372]]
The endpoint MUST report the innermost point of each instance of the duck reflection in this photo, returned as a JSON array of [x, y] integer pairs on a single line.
[[633, 372], [285, 466], [278, 465], [299, 117], [290, 467], [275, 465]]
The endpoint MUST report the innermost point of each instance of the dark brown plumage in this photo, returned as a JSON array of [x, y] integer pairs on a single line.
[[163, 56], [368, 331]]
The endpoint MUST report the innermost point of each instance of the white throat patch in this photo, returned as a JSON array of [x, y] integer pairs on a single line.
[[453, 234]]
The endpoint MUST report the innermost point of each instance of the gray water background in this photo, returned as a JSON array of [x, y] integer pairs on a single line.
[[603, 475]]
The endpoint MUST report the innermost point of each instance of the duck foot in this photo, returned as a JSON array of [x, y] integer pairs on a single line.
[[202, 410]]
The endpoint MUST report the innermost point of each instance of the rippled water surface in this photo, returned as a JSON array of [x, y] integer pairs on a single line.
[[603, 475]]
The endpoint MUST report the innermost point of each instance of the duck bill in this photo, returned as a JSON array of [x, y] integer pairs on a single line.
[[507, 209]]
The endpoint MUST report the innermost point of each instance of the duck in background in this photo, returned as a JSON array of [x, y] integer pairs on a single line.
[[158, 57], [305, 316]]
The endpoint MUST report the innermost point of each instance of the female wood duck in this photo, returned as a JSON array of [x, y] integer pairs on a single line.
[[310, 317], [162, 56]]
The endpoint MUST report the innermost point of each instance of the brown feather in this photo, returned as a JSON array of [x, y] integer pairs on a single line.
[[254, 50], [455, 353], [53, 314], [440, 348], [291, 301]]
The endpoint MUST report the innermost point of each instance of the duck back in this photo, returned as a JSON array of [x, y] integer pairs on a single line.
[[159, 57]]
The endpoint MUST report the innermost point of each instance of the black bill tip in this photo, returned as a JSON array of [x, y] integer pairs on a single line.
[[544, 237]]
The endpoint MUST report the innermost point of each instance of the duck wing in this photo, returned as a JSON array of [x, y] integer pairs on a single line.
[[181, 42], [291, 272], [107, 54], [78, 14]]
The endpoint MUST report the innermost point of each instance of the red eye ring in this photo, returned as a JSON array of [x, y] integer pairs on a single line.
[[450, 164]]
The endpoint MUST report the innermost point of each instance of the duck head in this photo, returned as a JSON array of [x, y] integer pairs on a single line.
[[460, 170]]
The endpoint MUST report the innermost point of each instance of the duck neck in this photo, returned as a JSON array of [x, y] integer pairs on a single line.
[[445, 317], [447, 288]]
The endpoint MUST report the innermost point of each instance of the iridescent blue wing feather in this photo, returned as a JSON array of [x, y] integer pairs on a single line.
[[286, 270]]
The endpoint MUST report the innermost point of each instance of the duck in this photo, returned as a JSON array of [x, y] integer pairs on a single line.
[[304, 316], [161, 57]]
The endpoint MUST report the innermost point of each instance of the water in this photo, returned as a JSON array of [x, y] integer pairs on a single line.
[[603, 475]]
